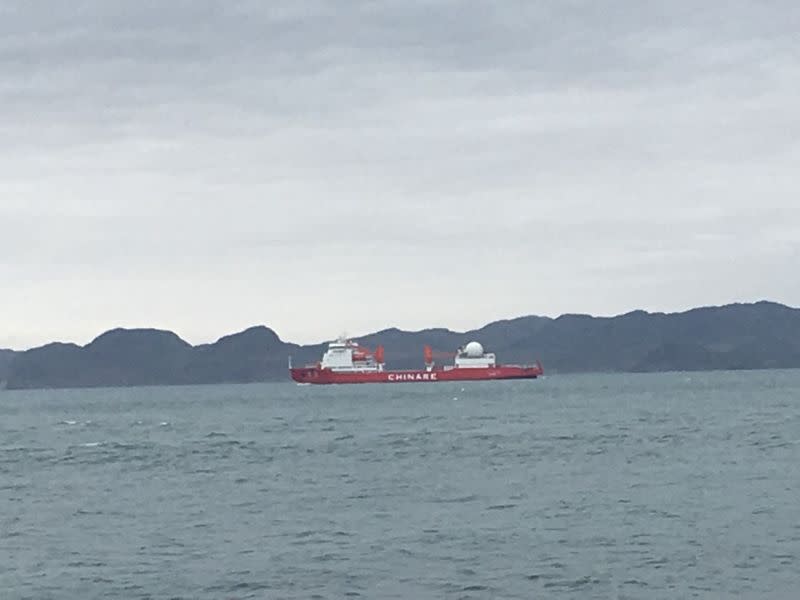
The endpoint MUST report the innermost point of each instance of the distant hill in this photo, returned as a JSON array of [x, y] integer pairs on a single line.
[[6, 357], [737, 336]]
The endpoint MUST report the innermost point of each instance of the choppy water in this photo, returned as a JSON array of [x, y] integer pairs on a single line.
[[647, 486]]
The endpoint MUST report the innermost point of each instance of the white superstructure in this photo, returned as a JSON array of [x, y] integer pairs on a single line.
[[473, 356], [346, 355]]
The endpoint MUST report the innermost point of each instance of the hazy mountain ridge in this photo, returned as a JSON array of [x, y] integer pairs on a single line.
[[6, 356], [734, 336]]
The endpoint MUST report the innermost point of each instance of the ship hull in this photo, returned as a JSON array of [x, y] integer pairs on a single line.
[[316, 375]]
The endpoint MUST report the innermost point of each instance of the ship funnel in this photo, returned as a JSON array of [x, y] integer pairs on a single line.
[[379, 355]]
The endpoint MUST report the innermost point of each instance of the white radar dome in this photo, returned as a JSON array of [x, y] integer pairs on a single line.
[[474, 350]]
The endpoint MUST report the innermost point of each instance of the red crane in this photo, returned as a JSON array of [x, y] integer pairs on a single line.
[[430, 354], [363, 353]]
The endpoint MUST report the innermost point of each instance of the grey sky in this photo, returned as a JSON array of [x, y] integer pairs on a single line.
[[326, 166]]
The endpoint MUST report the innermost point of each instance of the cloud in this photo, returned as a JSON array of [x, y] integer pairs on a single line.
[[317, 166]]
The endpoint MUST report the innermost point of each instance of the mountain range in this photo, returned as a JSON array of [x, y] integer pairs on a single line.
[[760, 335]]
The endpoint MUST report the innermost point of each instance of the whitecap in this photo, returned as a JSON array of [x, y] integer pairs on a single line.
[[92, 445], [68, 423]]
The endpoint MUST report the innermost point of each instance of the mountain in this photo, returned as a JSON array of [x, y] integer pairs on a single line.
[[6, 356], [252, 355], [736, 336]]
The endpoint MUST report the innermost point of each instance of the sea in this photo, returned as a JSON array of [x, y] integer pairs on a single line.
[[676, 485]]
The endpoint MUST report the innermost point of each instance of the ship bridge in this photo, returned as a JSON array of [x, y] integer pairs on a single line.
[[347, 355]]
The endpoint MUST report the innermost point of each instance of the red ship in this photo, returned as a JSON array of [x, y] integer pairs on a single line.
[[347, 362]]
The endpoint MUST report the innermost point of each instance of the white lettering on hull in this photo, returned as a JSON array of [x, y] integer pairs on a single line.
[[412, 377]]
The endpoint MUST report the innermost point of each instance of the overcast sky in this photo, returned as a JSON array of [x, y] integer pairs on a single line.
[[349, 165]]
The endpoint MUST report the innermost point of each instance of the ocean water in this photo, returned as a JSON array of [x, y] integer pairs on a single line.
[[639, 486]]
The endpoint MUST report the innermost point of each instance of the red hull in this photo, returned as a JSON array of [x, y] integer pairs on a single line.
[[326, 376]]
